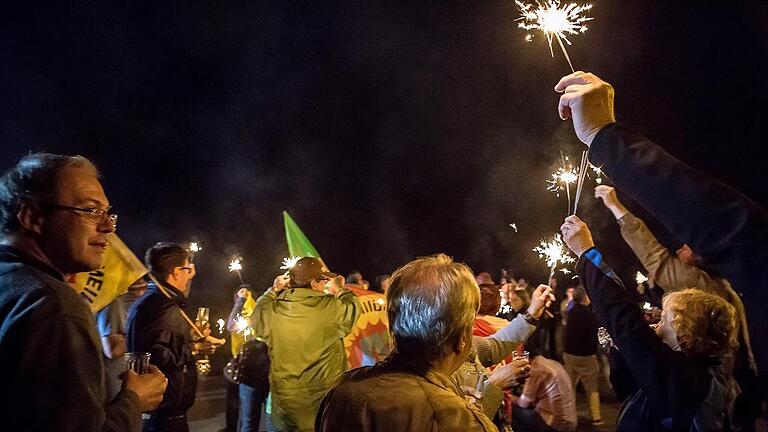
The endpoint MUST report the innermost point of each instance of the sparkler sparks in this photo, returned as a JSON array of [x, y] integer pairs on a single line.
[[220, 324], [288, 263], [194, 247], [513, 226], [236, 265], [556, 21], [562, 178], [640, 278], [553, 253]]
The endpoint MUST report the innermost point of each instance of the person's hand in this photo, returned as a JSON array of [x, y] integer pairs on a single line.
[[510, 374], [207, 345], [244, 293], [541, 298], [148, 387], [576, 235], [588, 100], [280, 283], [610, 200]]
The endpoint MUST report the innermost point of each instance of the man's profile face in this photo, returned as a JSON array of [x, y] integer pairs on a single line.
[[71, 240]]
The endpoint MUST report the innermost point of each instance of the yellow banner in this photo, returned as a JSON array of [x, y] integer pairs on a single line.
[[121, 269]]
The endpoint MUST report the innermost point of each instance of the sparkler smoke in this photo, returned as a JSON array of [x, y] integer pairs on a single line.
[[555, 21], [236, 266], [553, 253]]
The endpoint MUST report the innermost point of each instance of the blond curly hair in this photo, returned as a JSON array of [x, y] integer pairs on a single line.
[[705, 324]]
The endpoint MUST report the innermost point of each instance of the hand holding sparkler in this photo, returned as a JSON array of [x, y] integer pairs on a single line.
[[541, 298], [280, 283], [588, 100], [576, 235]]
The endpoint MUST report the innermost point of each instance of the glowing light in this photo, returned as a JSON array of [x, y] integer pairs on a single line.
[[553, 253], [288, 263], [235, 265], [380, 301], [640, 278], [561, 179], [220, 323], [565, 270], [556, 21], [195, 247], [513, 226], [647, 306]]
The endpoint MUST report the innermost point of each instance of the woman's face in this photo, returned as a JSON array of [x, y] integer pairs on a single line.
[[665, 330], [514, 301]]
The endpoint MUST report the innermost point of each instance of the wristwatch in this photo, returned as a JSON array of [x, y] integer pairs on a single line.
[[530, 319]]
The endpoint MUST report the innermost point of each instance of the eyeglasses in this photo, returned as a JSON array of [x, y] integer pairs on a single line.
[[95, 215]]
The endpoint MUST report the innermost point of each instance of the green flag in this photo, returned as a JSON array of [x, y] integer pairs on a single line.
[[298, 243]]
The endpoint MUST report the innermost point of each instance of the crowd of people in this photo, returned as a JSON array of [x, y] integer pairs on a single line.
[[434, 346]]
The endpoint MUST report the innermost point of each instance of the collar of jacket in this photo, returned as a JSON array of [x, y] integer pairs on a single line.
[[11, 254], [299, 293], [394, 361], [176, 295]]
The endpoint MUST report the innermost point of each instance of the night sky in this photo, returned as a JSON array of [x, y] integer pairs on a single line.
[[388, 130]]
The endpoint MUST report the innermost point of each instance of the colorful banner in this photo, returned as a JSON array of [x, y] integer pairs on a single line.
[[368, 342], [121, 269]]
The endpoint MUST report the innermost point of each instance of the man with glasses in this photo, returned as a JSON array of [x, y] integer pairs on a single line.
[[54, 222], [303, 319], [156, 326]]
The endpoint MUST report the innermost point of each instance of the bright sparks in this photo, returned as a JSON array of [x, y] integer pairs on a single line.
[[288, 263], [235, 265], [513, 226], [556, 21], [554, 253], [640, 278], [194, 247], [562, 179], [220, 323]]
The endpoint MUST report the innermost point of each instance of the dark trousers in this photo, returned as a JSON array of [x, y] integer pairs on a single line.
[[159, 421], [233, 407], [528, 420]]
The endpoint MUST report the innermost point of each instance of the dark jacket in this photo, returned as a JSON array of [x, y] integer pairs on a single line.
[[725, 227], [581, 331], [666, 389], [51, 356], [155, 325]]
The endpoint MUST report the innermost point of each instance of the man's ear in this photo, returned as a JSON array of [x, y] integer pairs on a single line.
[[30, 218], [461, 343]]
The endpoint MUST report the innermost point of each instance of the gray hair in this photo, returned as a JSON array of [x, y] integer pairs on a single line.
[[431, 302], [33, 179]]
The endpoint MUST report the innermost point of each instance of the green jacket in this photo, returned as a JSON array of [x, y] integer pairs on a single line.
[[304, 330]]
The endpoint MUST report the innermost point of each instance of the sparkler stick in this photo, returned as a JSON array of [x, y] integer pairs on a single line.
[[580, 184], [235, 266], [555, 21]]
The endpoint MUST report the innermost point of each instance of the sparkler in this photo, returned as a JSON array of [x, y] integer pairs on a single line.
[[220, 324], [598, 173], [562, 179], [640, 278], [556, 21], [243, 326], [194, 248], [288, 263], [236, 266], [553, 252], [580, 185], [513, 226]]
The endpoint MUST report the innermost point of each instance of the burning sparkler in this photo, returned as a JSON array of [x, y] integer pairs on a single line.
[[193, 248], [640, 278], [553, 252], [220, 323], [555, 21], [236, 265], [243, 326], [288, 263], [513, 226], [598, 173], [562, 178]]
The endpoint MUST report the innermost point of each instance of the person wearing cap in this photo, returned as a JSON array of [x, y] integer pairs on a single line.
[[304, 328]]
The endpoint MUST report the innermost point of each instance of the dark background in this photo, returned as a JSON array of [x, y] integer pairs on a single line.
[[387, 129]]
